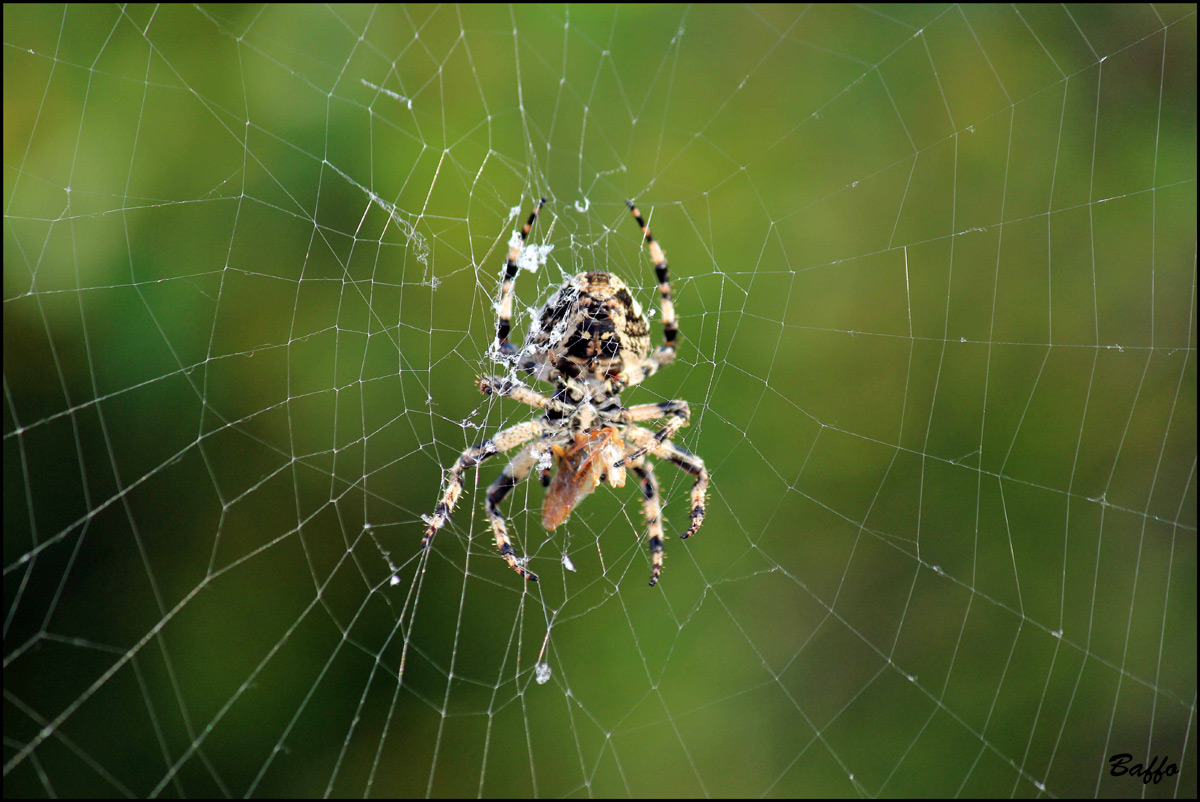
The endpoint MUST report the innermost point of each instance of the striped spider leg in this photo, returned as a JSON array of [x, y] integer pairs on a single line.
[[665, 353], [684, 460], [653, 510], [677, 412], [516, 470], [511, 268], [513, 474]]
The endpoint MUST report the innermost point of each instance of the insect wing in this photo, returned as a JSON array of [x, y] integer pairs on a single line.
[[568, 487]]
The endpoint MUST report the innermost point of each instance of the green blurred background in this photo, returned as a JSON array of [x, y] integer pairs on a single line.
[[935, 273]]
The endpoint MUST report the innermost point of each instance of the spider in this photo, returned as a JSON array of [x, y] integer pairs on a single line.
[[590, 341]]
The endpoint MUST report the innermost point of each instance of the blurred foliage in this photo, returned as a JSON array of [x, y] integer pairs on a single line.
[[934, 268]]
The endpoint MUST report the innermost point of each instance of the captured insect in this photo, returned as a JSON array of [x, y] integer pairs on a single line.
[[591, 342]]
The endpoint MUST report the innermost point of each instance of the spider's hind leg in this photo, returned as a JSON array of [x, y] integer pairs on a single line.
[[503, 441], [653, 510], [683, 459], [514, 473]]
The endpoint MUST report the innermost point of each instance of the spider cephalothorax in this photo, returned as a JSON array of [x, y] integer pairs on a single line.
[[590, 341]]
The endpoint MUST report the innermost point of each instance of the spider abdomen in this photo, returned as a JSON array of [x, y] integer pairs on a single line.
[[592, 326]]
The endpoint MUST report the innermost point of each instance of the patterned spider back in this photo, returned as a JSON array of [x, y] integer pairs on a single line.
[[591, 327]]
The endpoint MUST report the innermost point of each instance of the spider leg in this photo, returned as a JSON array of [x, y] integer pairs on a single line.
[[495, 385], [514, 473], [504, 325], [684, 460], [645, 474], [670, 330], [677, 412], [503, 441], [665, 353]]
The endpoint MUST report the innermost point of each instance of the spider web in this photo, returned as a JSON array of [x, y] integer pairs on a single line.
[[935, 277]]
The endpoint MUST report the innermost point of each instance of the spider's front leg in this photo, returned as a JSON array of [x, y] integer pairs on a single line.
[[670, 330], [665, 353], [504, 441], [511, 268]]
